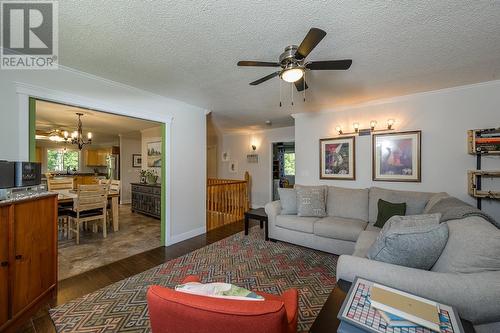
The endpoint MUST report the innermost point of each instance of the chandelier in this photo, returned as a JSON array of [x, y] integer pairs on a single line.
[[77, 136]]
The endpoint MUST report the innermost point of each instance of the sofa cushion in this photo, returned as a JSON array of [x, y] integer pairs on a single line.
[[339, 228], [411, 241], [473, 246], [387, 209], [311, 201], [347, 202], [371, 227], [434, 199], [297, 223], [364, 242], [288, 200], [415, 201]]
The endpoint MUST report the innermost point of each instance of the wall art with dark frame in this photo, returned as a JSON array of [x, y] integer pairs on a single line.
[[337, 158], [396, 157]]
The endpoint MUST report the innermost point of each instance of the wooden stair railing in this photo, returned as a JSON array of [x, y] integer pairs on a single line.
[[227, 201]]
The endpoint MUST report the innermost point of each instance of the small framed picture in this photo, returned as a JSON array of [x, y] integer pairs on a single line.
[[233, 167], [337, 159], [136, 160], [225, 156], [396, 157], [143, 179]]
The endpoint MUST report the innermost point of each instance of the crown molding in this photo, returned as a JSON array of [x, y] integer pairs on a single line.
[[396, 99]]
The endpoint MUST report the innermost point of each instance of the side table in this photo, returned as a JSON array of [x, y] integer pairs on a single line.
[[260, 215]]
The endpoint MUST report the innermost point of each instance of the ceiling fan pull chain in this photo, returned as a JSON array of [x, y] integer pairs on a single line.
[[280, 94], [304, 86], [291, 86]]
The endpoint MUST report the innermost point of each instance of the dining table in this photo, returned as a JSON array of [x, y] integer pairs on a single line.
[[68, 196]]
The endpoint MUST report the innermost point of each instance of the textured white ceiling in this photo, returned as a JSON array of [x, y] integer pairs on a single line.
[[188, 49], [105, 127]]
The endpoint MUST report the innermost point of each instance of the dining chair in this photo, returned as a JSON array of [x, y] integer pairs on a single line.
[[90, 205], [58, 184], [114, 186]]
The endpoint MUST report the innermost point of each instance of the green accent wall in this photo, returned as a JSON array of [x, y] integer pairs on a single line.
[[163, 184], [32, 129]]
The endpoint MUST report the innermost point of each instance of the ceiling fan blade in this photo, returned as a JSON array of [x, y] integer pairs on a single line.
[[313, 37], [264, 79], [301, 85], [330, 65], [258, 64]]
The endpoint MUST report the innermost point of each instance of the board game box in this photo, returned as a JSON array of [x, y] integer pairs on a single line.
[[357, 311]]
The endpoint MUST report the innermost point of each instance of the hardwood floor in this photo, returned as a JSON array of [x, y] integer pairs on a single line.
[[95, 279]]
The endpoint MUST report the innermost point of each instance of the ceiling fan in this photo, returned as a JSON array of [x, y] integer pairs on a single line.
[[293, 62]]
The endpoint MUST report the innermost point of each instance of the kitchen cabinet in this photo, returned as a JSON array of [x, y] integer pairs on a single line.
[[97, 157], [84, 180], [28, 253]]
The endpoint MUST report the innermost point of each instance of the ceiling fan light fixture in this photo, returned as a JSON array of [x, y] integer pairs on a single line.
[[292, 75]]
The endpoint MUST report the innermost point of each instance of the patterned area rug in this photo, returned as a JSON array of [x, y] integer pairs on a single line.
[[247, 261]]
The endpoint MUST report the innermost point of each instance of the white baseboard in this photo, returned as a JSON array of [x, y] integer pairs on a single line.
[[125, 202], [186, 235]]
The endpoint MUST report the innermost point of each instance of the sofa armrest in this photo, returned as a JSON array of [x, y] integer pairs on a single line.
[[272, 209], [474, 295]]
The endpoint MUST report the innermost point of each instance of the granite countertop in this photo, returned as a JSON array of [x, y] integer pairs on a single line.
[[101, 174], [29, 197]]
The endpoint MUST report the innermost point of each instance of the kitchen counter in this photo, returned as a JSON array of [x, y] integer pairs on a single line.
[[29, 197], [101, 174]]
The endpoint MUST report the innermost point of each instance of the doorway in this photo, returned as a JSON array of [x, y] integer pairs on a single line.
[[283, 168], [120, 149]]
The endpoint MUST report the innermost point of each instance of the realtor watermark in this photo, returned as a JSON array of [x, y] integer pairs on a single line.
[[29, 34]]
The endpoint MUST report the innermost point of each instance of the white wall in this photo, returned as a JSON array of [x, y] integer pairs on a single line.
[[130, 144], [239, 146], [443, 116], [186, 199]]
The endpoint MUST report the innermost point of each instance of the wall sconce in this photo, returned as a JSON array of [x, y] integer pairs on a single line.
[[390, 123], [367, 131], [254, 147]]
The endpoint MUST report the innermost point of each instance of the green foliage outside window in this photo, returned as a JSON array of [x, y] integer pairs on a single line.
[[289, 164], [60, 159]]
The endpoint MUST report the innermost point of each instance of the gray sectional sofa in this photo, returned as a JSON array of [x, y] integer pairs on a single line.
[[463, 276]]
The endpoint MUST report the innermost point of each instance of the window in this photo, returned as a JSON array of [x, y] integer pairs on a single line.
[[62, 159], [289, 164]]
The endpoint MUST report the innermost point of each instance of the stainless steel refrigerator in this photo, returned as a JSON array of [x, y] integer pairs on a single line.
[[113, 165]]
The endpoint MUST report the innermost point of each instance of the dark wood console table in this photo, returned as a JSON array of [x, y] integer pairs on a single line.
[[146, 199]]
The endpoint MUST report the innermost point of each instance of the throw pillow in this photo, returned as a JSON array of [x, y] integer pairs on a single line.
[[387, 209], [410, 241], [473, 246], [288, 200], [311, 201], [219, 290]]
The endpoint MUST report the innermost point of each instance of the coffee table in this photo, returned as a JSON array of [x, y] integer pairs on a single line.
[[327, 321], [258, 214]]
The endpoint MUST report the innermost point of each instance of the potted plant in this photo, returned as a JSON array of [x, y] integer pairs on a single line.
[[150, 176]]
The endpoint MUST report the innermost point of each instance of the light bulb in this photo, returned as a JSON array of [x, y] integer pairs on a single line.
[[355, 126], [65, 133], [390, 122], [89, 136], [373, 123], [338, 129], [292, 75]]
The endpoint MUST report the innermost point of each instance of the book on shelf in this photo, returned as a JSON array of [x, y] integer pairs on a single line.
[[415, 309]]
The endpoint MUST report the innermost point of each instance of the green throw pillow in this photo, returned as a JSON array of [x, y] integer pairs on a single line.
[[387, 209]]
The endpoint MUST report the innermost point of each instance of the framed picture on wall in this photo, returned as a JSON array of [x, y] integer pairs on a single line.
[[233, 167], [136, 160], [225, 156], [154, 154], [337, 160], [396, 157]]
